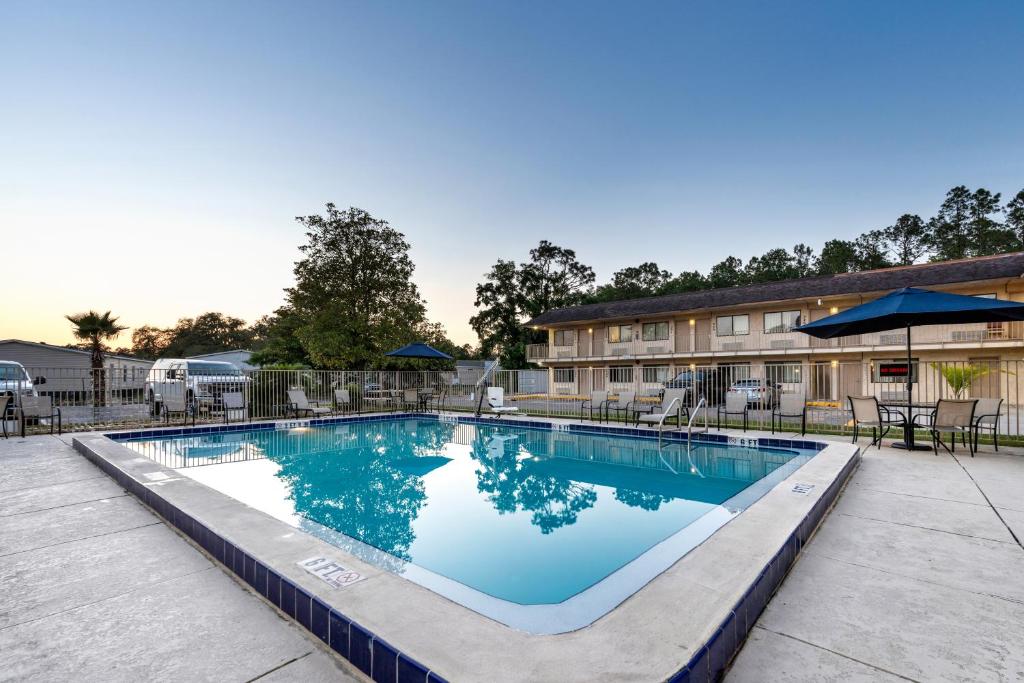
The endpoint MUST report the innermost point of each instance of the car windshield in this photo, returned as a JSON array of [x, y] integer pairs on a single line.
[[213, 369], [9, 372]]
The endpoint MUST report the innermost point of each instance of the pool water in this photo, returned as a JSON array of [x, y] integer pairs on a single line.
[[526, 516]]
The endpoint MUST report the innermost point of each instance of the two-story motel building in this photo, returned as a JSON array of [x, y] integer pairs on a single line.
[[641, 343]]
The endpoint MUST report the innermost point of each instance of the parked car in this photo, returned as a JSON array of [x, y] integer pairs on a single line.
[[201, 382], [707, 383], [15, 382], [759, 392]]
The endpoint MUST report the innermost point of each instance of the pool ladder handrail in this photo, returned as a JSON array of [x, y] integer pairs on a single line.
[[679, 413], [689, 425]]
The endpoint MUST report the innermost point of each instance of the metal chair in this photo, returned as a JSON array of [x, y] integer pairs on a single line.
[[598, 400], [623, 403], [952, 416], [411, 397], [39, 408], [791, 405], [176, 403], [5, 401], [664, 412], [342, 400], [986, 416], [868, 412], [735, 404], [232, 401]]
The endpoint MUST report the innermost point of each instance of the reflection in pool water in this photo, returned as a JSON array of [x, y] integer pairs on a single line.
[[525, 515]]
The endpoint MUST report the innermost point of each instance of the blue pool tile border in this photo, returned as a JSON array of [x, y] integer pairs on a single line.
[[381, 661]]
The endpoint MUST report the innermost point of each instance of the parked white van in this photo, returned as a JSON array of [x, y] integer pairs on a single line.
[[201, 382], [15, 382]]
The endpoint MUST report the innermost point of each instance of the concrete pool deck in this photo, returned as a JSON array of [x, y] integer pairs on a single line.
[[913, 576], [94, 586]]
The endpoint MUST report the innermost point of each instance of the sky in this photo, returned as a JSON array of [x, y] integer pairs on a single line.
[[153, 156]]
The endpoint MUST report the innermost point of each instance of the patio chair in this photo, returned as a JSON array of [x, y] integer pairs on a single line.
[[5, 401], [342, 400], [177, 404], [666, 410], [867, 412], [791, 405], [232, 401], [411, 397], [951, 416], [39, 408], [298, 403], [437, 401], [986, 416], [623, 404], [598, 400], [735, 404], [496, 402]]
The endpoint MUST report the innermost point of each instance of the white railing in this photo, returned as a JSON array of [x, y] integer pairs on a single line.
[[979, 335]]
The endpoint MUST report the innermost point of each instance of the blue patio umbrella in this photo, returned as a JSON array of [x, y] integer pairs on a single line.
[[911, 307], [419, 350]]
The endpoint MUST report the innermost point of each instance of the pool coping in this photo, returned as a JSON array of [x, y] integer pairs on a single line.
[[685, 625]]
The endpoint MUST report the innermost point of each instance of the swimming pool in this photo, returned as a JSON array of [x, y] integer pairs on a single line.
[[543, 530]]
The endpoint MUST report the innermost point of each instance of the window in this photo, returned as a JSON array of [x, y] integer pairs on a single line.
[[620, 374], [781, 321], [565, 337], [783, 372], [620, 333], [729, 325], [655, 331], [655, 374], [563, 375]]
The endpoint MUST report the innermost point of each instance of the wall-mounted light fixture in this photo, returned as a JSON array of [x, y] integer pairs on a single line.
[[833, 310], [692, 322], [835, 364]]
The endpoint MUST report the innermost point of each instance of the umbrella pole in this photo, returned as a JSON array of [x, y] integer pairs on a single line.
[[908, 428]]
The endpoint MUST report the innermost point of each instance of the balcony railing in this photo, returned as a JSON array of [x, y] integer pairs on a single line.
[[952, 336]]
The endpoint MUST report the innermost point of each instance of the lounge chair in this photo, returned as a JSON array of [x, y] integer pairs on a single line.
[[791, 405], [951, 417], [867, 412], [623, 404], [496, 402], [176, 404], [598, 400], [666, 410], [736, 403], [986, 416], [39, 408], [342, 400], [232, 402], [298, 403]]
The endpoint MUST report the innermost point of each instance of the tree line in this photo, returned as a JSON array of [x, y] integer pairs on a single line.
[[966, 224]]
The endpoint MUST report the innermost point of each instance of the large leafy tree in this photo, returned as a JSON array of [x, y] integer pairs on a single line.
[[94, 330], [1014, 212], [633, 282], [727, 273], [906, 240], [511, 294], [353, 294], [206, 333], [838, 256]]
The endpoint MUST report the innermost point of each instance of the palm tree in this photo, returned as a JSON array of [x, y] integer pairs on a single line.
[[94, 329]]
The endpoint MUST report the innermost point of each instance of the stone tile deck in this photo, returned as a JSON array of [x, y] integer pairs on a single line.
[[94, 587], [915, 575]]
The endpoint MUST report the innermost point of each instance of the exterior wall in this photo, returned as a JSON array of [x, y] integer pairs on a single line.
[[68, 370]]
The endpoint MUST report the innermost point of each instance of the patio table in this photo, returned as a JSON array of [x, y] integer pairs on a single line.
[[898, 407]]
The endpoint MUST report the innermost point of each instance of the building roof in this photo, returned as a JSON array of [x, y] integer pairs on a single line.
[[922, 275], [69, 349]]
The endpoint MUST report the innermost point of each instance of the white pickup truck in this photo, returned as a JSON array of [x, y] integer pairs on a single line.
[[200, 382]]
